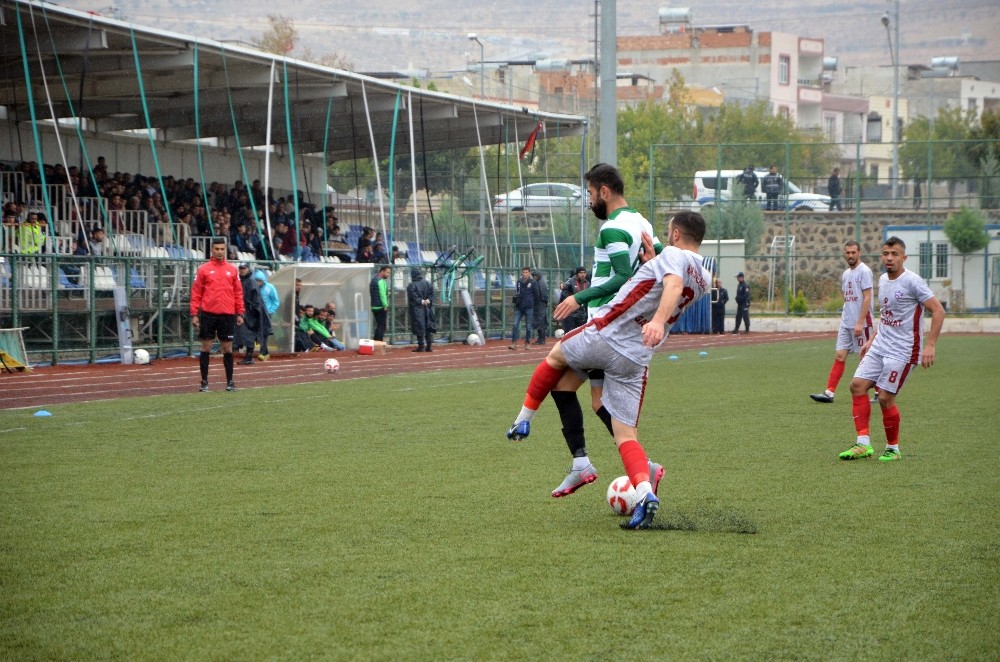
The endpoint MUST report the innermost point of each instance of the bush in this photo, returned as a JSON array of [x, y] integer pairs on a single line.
[[735, 221], [797, 305]]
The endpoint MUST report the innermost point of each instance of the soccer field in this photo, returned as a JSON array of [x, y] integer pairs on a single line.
[[389, 518]]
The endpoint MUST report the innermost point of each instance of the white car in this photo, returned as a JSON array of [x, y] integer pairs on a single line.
[[706, 182], [543, 197]]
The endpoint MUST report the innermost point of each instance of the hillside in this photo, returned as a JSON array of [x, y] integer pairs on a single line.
[[397, 34]]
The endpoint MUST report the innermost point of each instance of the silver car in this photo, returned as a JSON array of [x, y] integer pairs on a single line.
[[543, 197]]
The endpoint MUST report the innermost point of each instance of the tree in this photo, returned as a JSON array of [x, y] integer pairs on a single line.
[[984, 152], [942, 143], [966, 231], [281, 37]]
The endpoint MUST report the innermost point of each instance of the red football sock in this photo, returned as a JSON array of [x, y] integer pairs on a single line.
[[542, 382], [836, 372], [890, 419], [635, 461], [861, 406]]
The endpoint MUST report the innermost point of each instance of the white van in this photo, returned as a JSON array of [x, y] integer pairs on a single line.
[[706, 182]]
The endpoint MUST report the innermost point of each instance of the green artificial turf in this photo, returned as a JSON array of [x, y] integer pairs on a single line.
[[389, 518]]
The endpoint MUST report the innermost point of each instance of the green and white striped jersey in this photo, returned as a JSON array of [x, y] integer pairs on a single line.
[[620, 234]]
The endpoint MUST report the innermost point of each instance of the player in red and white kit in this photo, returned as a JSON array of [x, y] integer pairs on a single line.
[[896, 348], [857, 319], [620, 339]]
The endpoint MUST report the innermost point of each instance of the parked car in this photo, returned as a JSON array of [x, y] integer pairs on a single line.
[[707, 181], [543, 197]]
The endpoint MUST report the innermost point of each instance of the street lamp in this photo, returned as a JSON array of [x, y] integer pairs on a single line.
[[482, 69], [894, 54]]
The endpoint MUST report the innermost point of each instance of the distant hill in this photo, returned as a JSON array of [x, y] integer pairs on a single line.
[[433, 34]]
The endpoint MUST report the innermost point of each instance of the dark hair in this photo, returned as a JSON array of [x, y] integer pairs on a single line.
[[691, 224], [851, 242], [218, 240], [603, 174], [894, 241]]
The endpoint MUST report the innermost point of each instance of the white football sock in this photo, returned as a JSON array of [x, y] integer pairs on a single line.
[[525, 415], [864, 440], [580, 463], [642, 489]]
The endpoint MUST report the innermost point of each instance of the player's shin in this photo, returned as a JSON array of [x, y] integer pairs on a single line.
[[541, 384], [636, 466], [861, 407]]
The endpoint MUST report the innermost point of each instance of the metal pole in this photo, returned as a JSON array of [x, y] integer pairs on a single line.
[[609, 83], [894, 53]]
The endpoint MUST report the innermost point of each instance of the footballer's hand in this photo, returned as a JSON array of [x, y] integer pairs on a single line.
[[927, 358], [648, 251], [195, 322], [567, 307], [652, 333]]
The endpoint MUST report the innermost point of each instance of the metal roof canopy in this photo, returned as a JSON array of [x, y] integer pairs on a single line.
[[97, 63]]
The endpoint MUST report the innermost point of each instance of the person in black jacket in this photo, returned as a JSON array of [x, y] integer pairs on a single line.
[[742, 303], [256, 322], [772, 185], [749, 180], [719, 301], [525, 297], [577, 283], [833, 189], [420, 299]]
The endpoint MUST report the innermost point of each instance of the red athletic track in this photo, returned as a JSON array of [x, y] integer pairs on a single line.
[[47, 386]]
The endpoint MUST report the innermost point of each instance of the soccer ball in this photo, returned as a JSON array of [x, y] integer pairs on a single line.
[[621, 496], [558, 334], [332, 366], [473, 340], [140, 357]]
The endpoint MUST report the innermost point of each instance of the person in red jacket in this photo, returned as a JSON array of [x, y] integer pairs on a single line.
[[216, 309]]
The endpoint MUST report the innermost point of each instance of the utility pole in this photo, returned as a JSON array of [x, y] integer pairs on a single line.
[[609, 83]]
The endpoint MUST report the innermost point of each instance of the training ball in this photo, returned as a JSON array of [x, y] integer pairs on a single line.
[[672, 357], [702, 353], [559, 333], [474, 340], [332, 366], [621, 496], [140, 357]]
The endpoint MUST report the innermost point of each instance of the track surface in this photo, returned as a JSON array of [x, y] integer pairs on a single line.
[[47, 386]]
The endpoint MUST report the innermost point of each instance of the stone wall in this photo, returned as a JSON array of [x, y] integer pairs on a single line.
[[820, 238]]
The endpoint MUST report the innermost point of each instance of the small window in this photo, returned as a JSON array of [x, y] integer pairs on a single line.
[[933, 259], [784, 69]]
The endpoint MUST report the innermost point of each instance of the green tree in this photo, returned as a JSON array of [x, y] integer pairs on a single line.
[[984, 152], [966, 231], [942, 143]]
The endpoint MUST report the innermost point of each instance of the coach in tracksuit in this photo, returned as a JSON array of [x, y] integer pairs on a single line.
[[216, 310]]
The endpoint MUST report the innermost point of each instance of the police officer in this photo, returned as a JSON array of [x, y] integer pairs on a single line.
[[742, 303], [773, 184], [749, 180], [420, 299]]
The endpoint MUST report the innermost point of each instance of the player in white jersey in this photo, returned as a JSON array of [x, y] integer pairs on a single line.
[[897, 346], [856, 320], [625, 240], [621, 338]]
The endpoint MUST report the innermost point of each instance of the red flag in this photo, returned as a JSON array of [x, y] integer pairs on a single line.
[[531, 140]]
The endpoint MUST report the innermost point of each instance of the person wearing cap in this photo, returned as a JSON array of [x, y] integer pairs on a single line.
[[742, 303], [541, 308], [420, 299], [577, 282], [256, 322]]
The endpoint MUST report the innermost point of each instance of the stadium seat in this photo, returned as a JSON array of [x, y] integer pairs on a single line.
[[65, 283]]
